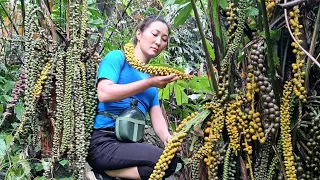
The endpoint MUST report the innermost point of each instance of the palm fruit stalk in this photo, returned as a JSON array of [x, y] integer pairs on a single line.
[[79, 135], [299, 65], [312, 162], [232, 124], [231, 18], [271, 113], [226, 163], [196, 162], [174, 143], [90, 106], [262, 167], [285, 132], [153, 70], [274, 162], [223, 77]]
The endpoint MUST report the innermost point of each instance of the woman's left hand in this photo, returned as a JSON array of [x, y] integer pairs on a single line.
[[167, 140]]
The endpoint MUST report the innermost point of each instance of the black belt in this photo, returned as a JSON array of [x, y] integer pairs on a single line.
[[109, 129]]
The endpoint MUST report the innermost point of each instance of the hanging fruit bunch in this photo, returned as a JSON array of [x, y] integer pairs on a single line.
[[252, 129], [59, 80]]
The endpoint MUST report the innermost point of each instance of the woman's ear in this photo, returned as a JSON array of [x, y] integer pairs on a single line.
[[168, 43], [138, 35]]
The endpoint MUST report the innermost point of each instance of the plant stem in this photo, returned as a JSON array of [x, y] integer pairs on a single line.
[[271, 66], [211, 75], [312, 48], [217, 42]]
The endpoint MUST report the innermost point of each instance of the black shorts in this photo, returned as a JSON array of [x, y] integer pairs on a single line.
[[107, 153]]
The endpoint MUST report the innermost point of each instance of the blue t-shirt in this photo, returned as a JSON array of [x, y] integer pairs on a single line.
[[115, 68]]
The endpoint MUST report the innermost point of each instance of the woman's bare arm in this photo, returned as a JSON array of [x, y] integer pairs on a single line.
[[109, 91]]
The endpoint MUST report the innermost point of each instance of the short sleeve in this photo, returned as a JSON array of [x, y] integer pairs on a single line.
[[111, 65], [155, 100]]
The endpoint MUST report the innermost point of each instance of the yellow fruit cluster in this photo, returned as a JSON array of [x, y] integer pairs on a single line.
[[43, 76], [153, 70], [255, 131], [185, 120], [285, 133], [165, 159], [232, 124], [251, 88], [270, 4], [297, 68], [217, 122]]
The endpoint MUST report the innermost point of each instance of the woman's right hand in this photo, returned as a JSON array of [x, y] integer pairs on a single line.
[[162, 81]]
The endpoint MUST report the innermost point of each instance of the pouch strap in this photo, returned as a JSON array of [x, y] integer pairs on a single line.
[[110, 115], [136, 126]]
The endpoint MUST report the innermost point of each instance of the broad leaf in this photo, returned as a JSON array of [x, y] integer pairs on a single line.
[[19, 110], [63, 162], [200, 84], [211, 52], [181, 96], [223, 4], [252, 11], [183, 15], [166, 92]]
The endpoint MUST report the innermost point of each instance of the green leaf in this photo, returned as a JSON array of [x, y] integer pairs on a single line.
[[166, 92], [63, 162], [45, 164], [26, 168], [274, 35], [252, 11], [182, 84], [200, 84], [169, 2], [1, 109], [96, 21], [38, 167], [5, 98], [211, 52], [19, 110], [183, 15], [181, 1], [224, 4], [3, 147], [181, 96], [8, 138], [276, 59], [3, 68], [94, 12]]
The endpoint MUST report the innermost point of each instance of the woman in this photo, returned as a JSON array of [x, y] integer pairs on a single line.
[[118, 82]]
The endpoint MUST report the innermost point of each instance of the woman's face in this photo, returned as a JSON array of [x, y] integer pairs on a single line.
[[153, 39]]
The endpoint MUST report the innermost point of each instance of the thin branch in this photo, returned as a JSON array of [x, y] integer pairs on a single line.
[[2, 22], [291, 3], [211, 74], [7, 14], [312, 47], [23, 10], [295, 40]]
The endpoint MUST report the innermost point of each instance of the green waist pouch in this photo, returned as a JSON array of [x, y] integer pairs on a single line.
[[129, 129], [130, 123]]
